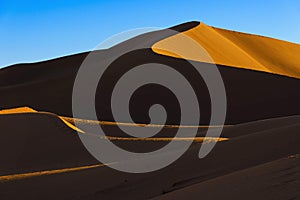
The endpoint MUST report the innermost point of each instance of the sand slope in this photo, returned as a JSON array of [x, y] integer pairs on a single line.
[[42, 142], [235, 49], [279, 179], [104, 183], [45, 141]]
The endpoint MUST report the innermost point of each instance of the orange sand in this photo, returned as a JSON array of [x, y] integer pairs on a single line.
[[17, 110], [234, 49]]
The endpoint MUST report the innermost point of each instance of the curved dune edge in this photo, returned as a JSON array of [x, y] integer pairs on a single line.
[[24, 109], [236, 49], [70, 123], [108, 123]]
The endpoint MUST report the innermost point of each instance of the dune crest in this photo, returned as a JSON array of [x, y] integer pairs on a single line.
[[72, 123], [234, 49], [25, 109], [17, 110]]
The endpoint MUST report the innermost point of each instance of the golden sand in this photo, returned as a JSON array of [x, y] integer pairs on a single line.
[[108, 123], [234, 49], [17, 110], [14, 177], [168, 139]]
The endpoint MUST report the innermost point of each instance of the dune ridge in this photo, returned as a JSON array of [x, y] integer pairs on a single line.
[[234, 49], [17, 110], [70, 120], [72, 123], [251, 94]]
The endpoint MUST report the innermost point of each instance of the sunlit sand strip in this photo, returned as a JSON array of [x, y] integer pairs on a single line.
[[168, 139], [15, 177], [71, 125], [69, 121], [93, 122]]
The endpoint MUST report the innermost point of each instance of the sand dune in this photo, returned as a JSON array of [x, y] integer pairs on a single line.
[[40, 135], [87, 126], [251, 95], [257, 155], [235, 49], [37, 141], [58, 148]]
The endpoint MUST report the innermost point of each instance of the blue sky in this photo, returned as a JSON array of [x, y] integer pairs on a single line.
[[39, 30]]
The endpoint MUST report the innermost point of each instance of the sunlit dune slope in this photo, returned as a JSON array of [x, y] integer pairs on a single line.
[[234, 49]]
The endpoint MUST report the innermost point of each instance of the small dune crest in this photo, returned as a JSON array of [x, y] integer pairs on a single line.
[[25, 109], [235, 49], [17, 110]]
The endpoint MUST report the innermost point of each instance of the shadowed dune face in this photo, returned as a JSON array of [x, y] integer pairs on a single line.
[[278, 179], [33, 140], [235, 49]]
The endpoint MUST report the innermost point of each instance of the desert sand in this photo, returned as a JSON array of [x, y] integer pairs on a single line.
[[43, 152], [236, 49], [256, 157]]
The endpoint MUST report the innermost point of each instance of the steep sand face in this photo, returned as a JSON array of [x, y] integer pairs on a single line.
[[234, 49]]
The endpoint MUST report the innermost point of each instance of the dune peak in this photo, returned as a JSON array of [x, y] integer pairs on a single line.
[[234, 49]]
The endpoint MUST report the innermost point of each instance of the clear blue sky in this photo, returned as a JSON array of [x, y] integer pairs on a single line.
[[40, 30]]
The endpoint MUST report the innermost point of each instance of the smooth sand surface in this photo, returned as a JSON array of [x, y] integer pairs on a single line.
[[234, 49], [42, 155], [279, 179]]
